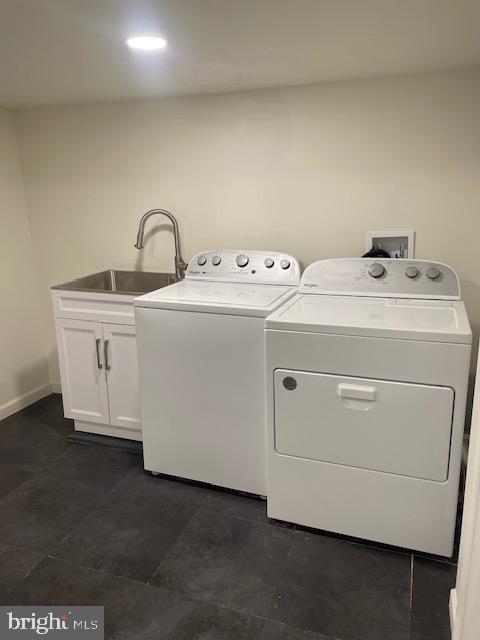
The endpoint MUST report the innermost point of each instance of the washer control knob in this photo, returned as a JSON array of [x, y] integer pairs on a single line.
[[269, 262], [412, 272], [285, 264], [216, 260], [376, 270], [433, 273], [242, 260], [201, 260]]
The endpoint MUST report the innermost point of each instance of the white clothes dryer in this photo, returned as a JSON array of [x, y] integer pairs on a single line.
[[202, 367], [367, 372]]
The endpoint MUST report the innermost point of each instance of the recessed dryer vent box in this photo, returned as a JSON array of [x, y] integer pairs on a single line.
[[398, 243]]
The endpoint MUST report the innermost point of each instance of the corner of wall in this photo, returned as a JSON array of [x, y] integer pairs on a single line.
[[25, 377]]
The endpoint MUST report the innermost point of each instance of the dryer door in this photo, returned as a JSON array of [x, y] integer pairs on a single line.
[[394, 427]]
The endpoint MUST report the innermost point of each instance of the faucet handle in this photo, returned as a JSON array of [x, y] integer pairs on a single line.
[[181, 266]]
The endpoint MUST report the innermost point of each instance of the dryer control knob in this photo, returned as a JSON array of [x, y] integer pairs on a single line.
[[216, 260], [285, 264], [269, 262], [433, 273], [201, 260], [412, 272], [376, 270], [242, 260]]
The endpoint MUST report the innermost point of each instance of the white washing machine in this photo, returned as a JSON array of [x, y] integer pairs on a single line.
[[202, 367], [367, 371]]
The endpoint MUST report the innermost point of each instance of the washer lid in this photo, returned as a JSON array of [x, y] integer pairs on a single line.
[[218, 297], [414, 319]]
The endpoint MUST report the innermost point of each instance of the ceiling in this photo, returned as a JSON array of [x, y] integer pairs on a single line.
[[70, 51]]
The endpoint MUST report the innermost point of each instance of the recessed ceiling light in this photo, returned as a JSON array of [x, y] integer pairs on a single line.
[[146, 43]]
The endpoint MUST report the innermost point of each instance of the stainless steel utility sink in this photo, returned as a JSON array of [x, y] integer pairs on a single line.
[[120, 282]]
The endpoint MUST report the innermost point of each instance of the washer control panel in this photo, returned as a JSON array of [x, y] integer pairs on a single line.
[[379, 277], [263, 267]]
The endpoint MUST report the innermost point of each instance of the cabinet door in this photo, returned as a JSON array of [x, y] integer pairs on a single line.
[[122, 375], [82, 370], [381, 425]]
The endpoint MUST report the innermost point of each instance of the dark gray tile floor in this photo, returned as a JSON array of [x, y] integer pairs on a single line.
[[175, 561], [227, 561]]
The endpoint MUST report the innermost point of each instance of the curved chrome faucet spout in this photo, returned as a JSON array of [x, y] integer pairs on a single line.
[[180, 264]]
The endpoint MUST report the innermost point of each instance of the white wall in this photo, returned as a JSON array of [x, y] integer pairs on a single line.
[[24, 372], [306, 170]]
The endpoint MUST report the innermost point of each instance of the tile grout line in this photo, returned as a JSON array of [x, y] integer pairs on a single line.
[[439, 560], [51, 553], [231, 515], [132, 603], [100, 501], [94, 569], [365, 544], [294, 527], [218, 605], [25, 577], [193, 598], [325, 535], [282, 572], [143, 586], [195, 510]]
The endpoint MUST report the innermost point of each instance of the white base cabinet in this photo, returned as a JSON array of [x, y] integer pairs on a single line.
[[98, 362]]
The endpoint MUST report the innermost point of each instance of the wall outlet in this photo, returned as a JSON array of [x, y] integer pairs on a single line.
[[398, 243]]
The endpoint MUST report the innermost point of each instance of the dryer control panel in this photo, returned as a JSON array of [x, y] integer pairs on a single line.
[[260, 267], [379, 277]]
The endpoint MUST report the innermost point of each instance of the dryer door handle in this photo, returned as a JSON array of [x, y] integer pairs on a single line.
[[357, 392]]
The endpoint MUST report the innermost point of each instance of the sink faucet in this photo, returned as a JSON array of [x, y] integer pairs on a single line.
[[180, 264]]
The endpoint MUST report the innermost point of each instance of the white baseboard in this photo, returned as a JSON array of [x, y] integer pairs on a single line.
[[56, 387], [20, 402], [452, 607]]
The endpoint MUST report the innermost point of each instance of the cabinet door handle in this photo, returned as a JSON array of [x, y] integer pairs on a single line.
[[105, 351], [97, 345]]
